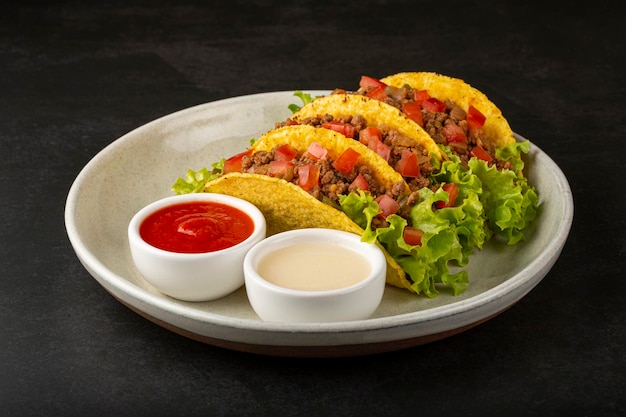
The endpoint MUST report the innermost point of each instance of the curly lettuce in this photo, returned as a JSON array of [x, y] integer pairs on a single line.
[[305, 97], [467, 216], [490, 201], [194, 181], [510, 202], [444, 245]]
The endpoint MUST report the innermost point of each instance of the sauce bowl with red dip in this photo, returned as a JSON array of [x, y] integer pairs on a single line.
[[314, 276], [192, 246]]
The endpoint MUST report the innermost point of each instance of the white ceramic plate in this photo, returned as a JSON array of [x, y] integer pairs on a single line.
[[141, 166]]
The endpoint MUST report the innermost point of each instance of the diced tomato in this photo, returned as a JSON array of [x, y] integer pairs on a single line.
[[308, 176], [233, 164], [387, 205], [453, 192], [433, 105], [475, 119], [360, 183], [346, 160], [378, 93], [367, 133], [285, 152], [291, 122], [379, 147], [413, 110], [407, 166], [420, 95], [281, 169], [345, 129], [371, 137], [368, 82], [480, 153], [453, 133], [412, 236], [316, 151]]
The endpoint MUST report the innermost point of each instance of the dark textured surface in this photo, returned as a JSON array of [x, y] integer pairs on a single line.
[[74, 77]]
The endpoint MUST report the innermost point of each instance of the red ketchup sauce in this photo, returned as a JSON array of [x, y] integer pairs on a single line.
[[196, 227]]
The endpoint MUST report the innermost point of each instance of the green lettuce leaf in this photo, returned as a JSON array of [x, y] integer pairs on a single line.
[[512, 153], [510, 202], [360, 207], [306, 99], [468, 216], [194, 181], [427, 265]]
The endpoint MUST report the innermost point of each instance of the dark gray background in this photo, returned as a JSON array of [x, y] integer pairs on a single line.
[[74, 77]]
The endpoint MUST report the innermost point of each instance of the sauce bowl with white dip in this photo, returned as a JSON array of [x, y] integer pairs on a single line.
[[314, 275]]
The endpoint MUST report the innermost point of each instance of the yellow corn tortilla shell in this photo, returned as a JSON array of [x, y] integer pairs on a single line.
[[375, 112], [301, 136], [443, 87], [287, 206]]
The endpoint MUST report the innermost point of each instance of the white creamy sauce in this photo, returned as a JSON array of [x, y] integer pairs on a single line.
[[314, 267]]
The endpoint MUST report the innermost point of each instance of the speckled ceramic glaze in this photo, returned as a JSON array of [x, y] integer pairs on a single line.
[[141, 166]]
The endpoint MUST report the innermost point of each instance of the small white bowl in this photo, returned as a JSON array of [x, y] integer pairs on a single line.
[[289, 301], [194, 276]]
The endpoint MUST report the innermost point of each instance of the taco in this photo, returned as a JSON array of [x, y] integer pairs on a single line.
[[303, 176], [398, 140], [471, 128]]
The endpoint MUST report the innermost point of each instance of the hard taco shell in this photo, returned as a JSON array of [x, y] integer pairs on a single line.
[[443, 87], [375, 112]]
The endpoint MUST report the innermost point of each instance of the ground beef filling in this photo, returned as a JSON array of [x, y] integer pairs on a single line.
[[435, 121], [333, 183], [390, 137]]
